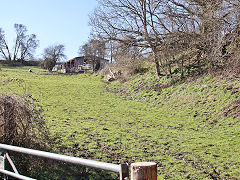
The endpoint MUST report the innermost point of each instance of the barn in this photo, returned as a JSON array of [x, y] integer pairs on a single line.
[[84, 63]]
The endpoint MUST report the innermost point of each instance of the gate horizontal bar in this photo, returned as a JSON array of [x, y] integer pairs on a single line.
[[69, 159], [12, 174]]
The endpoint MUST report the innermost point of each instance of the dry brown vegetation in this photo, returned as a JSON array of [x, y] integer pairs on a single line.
[[129, 62], [21, 122]]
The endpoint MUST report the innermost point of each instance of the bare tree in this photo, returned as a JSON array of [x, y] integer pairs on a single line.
[[135, 23], [202, 24], [184, 28], [94, 50], [4, 49], [52, 54], [84, 50], [28, 47], [110, 46], [24, 46]]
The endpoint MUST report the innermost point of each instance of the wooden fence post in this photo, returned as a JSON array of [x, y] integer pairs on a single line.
[[144, 171]]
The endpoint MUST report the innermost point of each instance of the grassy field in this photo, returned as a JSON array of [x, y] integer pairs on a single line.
[[191, 130]]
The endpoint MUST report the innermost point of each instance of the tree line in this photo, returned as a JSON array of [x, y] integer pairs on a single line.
[[178, 35], [25, 45]]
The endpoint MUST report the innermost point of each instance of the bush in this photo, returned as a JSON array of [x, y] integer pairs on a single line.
[[21, 122], [49, 64]]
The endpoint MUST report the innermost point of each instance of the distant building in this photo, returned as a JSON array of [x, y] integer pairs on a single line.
[[57, 67], [84, 63]]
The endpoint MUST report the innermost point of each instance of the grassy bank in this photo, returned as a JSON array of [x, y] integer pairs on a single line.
[[191, 129]]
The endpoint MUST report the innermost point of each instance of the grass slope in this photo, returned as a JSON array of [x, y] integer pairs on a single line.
[[191, 130]]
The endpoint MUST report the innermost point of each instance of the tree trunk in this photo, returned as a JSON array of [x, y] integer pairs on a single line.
[[182, 66], [170, 69], [157, 66]]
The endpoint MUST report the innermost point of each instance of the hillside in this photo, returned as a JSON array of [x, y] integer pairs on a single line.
[[191, 129], [198, 126]]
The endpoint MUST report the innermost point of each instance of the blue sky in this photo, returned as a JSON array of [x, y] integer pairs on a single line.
[[53, 21]]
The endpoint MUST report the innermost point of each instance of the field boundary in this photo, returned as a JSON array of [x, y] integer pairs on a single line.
[[121, 169]]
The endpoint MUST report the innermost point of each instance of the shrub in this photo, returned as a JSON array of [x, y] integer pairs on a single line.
[[21, 122], [49, 64]]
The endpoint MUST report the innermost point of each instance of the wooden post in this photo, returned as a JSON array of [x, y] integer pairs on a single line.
[[144, 171]]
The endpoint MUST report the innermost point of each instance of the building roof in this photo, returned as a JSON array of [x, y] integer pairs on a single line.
[[80, 57]]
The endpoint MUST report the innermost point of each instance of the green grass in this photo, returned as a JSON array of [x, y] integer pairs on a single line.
[[187, 128]]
